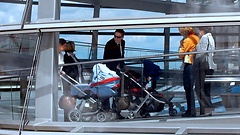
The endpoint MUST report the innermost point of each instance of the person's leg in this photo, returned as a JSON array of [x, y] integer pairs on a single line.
[[66, 92], [199, 86], [188, 91], [106, 104], [207, 89], [190, 85], [202, 96], [154, 84], [66, 86]]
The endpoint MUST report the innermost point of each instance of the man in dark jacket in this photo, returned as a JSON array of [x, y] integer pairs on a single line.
[[114, 49]]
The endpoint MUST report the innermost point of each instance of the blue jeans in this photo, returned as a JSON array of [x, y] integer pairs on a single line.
[[188, 87]]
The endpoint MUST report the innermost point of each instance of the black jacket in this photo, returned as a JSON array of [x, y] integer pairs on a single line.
[[72, 70], [112, 51]]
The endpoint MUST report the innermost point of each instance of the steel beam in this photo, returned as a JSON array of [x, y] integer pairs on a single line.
[[208, 19]]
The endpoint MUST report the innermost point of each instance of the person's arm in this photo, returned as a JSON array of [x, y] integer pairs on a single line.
[[107, 51], [185, 47], [203, 44]]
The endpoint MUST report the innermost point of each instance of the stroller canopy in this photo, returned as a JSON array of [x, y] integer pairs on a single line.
[[103, 75]]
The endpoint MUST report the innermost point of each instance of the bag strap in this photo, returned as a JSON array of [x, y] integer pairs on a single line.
[[79, 68], [207, 45]]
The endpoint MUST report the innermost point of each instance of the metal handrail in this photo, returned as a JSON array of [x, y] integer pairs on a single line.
[[14, 70], [28, 91], [147, 57]]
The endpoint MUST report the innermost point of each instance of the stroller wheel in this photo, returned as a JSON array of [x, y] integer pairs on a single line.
[[101, 116], [87, 118], [172, 112], [112, 116], [74, 115], [131, 115]]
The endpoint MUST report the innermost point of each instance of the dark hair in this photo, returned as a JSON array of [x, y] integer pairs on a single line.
[[205, 29], [120, 31], [62, 41], [70, 46]]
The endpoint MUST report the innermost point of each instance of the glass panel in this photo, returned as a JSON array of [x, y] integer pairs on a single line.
[[9, 15], [137, 45], [123, 13], [83, 44], [76, 13], [16, 52], [223, 81], [171, 80]]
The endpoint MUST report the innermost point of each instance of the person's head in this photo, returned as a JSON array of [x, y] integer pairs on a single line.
[[70, 47], [62, 45], [203, 30], [181, 31], [186, 31], [119, 35]]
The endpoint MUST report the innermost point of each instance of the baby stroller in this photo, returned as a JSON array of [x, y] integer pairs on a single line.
[[143, 99], [103, 86]]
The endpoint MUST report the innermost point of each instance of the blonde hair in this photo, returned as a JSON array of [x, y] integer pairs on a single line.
[[186, 31], [70, 47]]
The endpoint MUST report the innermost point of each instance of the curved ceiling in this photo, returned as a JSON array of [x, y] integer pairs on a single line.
[[166, 6]]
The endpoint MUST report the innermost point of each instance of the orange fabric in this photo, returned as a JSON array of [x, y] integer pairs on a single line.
[[189, 45]]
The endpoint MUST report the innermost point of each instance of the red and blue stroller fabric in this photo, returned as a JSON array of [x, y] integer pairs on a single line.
[[104, 83]]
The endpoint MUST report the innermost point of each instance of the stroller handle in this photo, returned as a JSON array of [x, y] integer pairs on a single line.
[[64, 78]]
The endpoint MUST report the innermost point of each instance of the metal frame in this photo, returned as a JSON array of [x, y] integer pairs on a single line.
[[177, 126], [209, 19]]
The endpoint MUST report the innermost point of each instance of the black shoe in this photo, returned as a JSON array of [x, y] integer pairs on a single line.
[[146, 115], [188, 115], [206, 114], [119, 116]]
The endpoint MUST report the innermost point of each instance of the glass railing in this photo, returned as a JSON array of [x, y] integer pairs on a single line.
[[129, 51], [15, 64], [224, 87], [224, 82]]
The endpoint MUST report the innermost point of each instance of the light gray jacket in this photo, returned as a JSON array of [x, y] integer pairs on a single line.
[[206, 40]]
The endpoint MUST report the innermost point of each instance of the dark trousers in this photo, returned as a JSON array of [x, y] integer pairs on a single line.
[[187, 83], [202, 89], [207, 89]]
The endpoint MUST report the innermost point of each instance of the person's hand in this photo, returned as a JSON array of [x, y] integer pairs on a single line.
[[118, 67], [125, 67], [62, 73], [181, 43]]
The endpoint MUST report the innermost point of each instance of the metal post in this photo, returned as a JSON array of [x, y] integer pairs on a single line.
[[46, 93], [95, 33]]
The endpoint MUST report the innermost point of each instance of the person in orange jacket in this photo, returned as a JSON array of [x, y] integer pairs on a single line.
[[188, 44]]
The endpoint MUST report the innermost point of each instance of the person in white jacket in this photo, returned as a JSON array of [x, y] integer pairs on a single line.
[[202, 88]]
